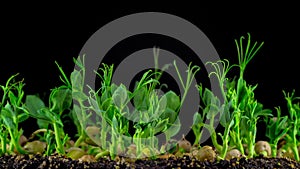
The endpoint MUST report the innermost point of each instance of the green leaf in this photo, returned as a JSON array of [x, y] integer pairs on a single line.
[[264, 112], [173, 101], [105, 95], [231, 123], [34, 104], [76, 81], [43, 124], [197, 119], [283, 122], [80, 96], [6, 115], [169, 114], [109, 114], [94, 104], [61, 99], [106, 104], [140, 99], [13, 99], [10, 110], [145, 117], [224, 118], [207, 96], [160, 126], [162, 105], [241, 90], [112, 89], [22, 117], [212, 111], [78, 113], [173, 128], [115, 125], [45, 114], [120, 96]]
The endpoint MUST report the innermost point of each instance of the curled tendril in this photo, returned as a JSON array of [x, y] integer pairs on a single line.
[[250, 51], [221, 68]]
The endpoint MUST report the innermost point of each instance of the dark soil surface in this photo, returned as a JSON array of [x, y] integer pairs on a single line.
[[54, 162]]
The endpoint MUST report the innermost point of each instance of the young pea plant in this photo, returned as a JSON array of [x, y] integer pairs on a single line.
[[240, 111], [80, 114], [211, 109], [294, 122], [148, 108], [240, 95], [102, 101], [226, 118], [155, 119], [251, 114], [151, 111], [111, 107], [174, 103], [108, 105], [276, 129], [60, 100], [119, 123], [12, 114], [198, 122], [215, 106]]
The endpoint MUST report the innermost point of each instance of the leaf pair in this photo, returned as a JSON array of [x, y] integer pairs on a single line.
[[60, 99]]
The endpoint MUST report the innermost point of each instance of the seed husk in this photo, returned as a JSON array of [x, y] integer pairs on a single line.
[[234, 153], [184, 144], [206, 153], [34, 147], [262, 148]]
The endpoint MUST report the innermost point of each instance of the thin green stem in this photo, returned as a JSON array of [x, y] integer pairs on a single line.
[[102, 154], [60, 147], [191, 72], [274, 149], [225, 142], [214, 134], [250, 144], [237, 118], [15, 143], [3, 139], [294, 146], [80, 139], [103, 133]]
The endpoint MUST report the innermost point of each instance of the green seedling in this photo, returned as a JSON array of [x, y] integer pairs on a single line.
[[46, 136], [213, 108], [294, 122], [239, 111], [226, 117], [198, 122], [240, 95], [80, 113], [60, 100], [253, 111], [12, 114], [276, 129]]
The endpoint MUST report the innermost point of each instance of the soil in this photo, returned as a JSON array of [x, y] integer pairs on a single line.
[[51, 162]]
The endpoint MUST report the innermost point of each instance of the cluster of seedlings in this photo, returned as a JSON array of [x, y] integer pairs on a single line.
[[104, 130]]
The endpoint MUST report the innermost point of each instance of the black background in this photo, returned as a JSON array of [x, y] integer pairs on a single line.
[[34, 37]]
